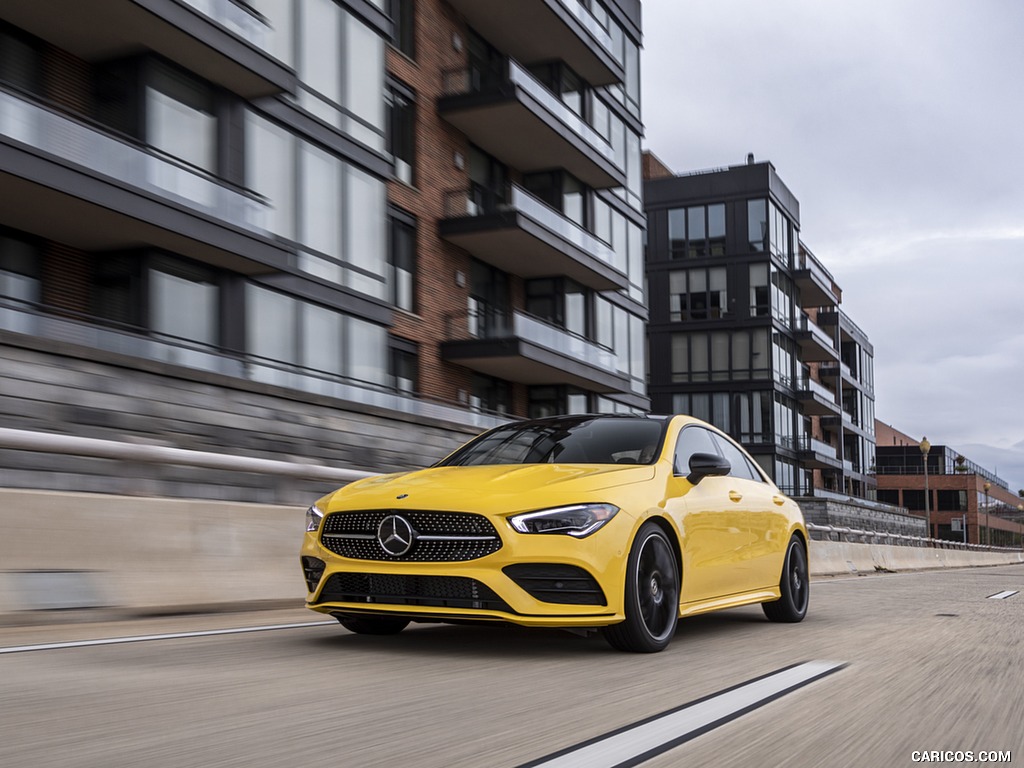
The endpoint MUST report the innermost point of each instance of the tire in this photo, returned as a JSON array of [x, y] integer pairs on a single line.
[[794, 585], [651, 595], [373, 625]]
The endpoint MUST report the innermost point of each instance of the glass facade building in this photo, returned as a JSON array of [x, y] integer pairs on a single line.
[[746, 332]]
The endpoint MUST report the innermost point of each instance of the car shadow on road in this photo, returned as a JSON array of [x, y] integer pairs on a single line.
[[507, 640]]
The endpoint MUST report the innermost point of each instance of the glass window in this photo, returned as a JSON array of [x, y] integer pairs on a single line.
[[720, 356], [322, 339], [680, 357], [19, 269], [321, 207], [182, 306], [403, 19], [271, 327], [740, 465], [405, 370], [692, 440], [716, 229], [364, 74], [401, 135], [180, 118], [270, 171], [757, 224], [366, 351], [402, 255], [570, 440], [366, 231], [760, 295], [319, 47]]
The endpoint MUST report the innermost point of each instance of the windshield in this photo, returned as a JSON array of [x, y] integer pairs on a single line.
[[577, 440]]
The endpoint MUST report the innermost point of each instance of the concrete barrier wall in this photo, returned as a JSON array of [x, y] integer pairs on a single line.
[[64, 550]]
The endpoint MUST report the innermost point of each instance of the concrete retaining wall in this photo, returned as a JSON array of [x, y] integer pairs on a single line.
[[65, 550]]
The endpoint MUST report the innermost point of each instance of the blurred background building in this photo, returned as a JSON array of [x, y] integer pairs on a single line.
[[746, 329], [963, 500], [349, 231]]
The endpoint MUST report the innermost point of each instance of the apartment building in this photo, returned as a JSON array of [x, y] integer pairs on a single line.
[[746, 329], [962, 500], [353, 231]]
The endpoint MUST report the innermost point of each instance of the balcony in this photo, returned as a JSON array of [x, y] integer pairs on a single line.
[[521, 348], [548, 30], [74, 182], [815, 398], [223, 41], [815, 345], [815, 454], [513, 116], [817, 288], [520, 234], [846, 420]]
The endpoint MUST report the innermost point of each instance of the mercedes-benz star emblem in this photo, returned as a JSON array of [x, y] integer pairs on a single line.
[[395, 535]]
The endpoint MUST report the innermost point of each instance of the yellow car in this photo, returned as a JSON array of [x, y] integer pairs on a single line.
[[623, 523]]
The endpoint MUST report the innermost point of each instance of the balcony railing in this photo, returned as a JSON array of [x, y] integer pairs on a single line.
[[469, 80], [76, 141], [239, 18], [583, 15], [807, 384], [490, 323], [73, 328], [808, 443], [477, 200], [804, 323]]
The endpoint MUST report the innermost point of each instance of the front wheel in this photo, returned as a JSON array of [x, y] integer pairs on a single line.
[[794, 585], [373, 625], [651, 595]]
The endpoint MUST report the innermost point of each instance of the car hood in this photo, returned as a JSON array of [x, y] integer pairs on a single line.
[[491, 487]]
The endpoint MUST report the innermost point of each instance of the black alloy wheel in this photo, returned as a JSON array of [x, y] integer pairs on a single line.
[[373, 625], [651, 595], [795, 586]]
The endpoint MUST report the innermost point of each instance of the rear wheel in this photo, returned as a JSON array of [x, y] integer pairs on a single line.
[[651, 595], [373, 625], [794, 585]]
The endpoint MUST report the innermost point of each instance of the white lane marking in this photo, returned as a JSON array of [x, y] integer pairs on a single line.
[[169, 636], [640, 742], [1003, 595]]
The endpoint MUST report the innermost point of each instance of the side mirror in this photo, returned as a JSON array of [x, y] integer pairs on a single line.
[[707, 465]]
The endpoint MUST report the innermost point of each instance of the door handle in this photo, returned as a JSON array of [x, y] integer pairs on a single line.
[[778, 500], [735, 495]]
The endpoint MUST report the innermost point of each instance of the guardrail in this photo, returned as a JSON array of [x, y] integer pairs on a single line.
[[45, 442], [858, 536]]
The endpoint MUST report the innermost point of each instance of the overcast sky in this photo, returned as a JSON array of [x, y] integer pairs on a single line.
[[899, 126]]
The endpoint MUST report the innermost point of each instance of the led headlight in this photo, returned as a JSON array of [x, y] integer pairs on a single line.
[[578, 520], [313, 518]]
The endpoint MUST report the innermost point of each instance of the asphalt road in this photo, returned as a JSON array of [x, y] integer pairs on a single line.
[[915, 662]]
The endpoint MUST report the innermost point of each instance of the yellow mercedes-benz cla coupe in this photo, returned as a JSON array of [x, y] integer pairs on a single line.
[[623, 523]]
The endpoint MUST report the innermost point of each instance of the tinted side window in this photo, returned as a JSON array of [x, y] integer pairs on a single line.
[[692, 440], [740, 465]]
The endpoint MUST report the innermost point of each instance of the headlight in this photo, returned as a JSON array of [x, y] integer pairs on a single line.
[[578, 520], [313, 518]]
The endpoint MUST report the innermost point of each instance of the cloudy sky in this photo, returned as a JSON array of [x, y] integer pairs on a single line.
[[899, 126]]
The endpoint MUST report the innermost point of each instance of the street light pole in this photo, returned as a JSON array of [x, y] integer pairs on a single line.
[[925, 447], [988, 531]]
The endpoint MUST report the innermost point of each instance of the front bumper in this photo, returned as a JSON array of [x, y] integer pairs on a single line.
[[532, 580]]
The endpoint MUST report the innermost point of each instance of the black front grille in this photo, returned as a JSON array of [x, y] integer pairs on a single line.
[[438, 536], [313, 570], [557, 583], [391, 589]]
